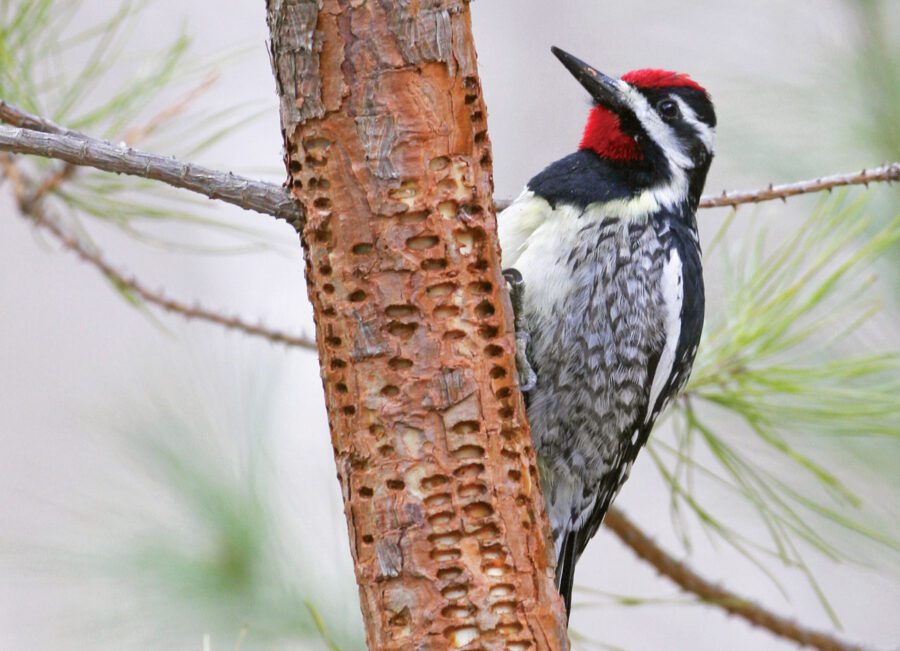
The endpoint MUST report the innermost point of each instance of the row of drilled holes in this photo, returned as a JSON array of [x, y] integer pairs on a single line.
[[399, 324], [476, 115], [454, 586], [314, 155], [318, 185], [477, 512], [493, 556], [485, 309]]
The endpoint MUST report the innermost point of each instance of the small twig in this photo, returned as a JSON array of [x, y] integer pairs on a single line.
[[35, 212], [54, 180], [11, 172], [159, 299], [889, 173], [18, 118], [77, 149], [646, 549]]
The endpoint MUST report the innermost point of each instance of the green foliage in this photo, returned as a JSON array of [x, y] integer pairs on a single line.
[[780, 391], [218, 556], [89, 80], [224, 564]]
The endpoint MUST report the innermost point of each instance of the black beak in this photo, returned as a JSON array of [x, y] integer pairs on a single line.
[[605, 90]]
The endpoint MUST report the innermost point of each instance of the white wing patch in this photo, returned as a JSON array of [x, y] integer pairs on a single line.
[[673, 295]]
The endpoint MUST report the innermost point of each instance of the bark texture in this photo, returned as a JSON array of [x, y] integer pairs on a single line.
[[387, 149]]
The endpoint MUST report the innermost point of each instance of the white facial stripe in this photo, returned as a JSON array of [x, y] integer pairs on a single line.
[[707, 133], [675, 190], [661, 133]]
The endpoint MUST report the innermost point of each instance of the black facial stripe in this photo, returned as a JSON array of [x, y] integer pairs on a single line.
[[696, 149], [655, 157], [700, 104], [697, 100]]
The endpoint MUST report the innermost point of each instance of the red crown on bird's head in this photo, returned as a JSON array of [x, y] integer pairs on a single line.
[[655, 78]]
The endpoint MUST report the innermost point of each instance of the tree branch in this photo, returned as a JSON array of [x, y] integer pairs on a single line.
[[18, 118], [29, 205], [130, 284], [889, 172], [270, 199], [386, 144], [646, 549], [77, 149]]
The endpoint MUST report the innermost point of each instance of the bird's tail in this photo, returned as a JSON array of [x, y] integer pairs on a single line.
[[565, 568]]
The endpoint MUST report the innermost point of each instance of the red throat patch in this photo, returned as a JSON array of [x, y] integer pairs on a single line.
[[603, 135]]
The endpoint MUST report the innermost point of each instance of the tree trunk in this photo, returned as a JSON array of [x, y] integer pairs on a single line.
[[387, 149]]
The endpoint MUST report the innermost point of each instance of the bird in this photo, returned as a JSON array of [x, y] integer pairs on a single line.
[[602, 258]]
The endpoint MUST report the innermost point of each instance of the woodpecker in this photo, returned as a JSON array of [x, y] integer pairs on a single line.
[[602, 256]]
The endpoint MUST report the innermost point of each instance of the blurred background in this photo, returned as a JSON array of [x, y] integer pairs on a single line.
[[167, 484]]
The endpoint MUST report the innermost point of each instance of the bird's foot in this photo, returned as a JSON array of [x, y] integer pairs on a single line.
[[527, 376], [516, 291]]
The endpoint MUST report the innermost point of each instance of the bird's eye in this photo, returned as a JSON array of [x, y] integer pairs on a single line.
[[668, 109]]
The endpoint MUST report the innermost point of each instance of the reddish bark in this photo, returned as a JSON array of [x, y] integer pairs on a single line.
[[387, 149]]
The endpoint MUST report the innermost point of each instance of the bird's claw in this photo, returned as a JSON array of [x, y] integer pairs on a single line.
[[527, 376], [516, 291]]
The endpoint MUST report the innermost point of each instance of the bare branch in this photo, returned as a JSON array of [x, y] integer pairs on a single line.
[[34, 211], [889, 173], [30, 206], [646, 549], [270, 199], [159, 299], [78, 149], [18, 118]]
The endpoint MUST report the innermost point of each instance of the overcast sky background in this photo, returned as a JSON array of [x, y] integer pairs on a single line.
[[78, 365]]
